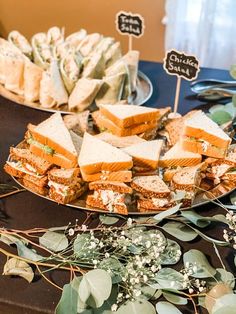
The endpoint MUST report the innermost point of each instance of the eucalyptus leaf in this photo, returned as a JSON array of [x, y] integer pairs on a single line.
[[68, 301], [222, 275], [114, 266], [149, 292], [108, 220], [225, 304], [221, 117], [27, 253], [54, 241], [11, 239], [137, 307], [197, 258], [16, 267], [234, 100], [220, 218], [209, 239], [166, 308], [80, 247], [230, 108], [171, 254], [106, 307], [169, 278], [195, 218], [217, 107], [97, 284], [166, 213], [75, 283], [173, 298], [180, 231], [231, 207]]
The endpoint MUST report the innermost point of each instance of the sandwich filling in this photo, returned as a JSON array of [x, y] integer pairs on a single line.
[[160, 202], [110, 198], [24, 167], [205, 144], [47, 149]]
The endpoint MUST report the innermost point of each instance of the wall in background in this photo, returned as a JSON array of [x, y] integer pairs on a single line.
[[32, 16]]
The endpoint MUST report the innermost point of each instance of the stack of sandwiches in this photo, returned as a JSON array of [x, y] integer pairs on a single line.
[[48, 162], [152, 193], [119, 165], [126, 120], [202, 135]]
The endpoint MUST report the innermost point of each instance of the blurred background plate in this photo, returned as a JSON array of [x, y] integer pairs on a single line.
[[140, 96]]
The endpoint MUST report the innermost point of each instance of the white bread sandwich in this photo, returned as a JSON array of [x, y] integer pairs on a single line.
[[79, 123], [52, 141], [187, 180], [119, 142], [105, 124], [152, 193], [202, 135], [31, 169], [177, 156], [96, 156], [65, 185], [145, 154], [127, 115], [110, 195]]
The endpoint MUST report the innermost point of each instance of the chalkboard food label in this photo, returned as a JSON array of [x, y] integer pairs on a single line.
[[182, 65], [129, 23]]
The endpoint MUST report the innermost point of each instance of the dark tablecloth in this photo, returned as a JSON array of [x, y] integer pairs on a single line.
[[25, 210]]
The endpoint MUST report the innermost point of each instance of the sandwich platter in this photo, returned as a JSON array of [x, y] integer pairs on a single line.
[[221, 190], [142, 94]]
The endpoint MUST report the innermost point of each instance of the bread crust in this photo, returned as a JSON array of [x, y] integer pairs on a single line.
[[197, 147], [106, 166], [55, 159], [182, 162], [202, 134], [62, 180], [109, 185], [121, 176], [35, 188], [26, 156], [102, 122], [96, 202], [132, 120], [47, 141], [148, 192], [147, 205], [74, 193]]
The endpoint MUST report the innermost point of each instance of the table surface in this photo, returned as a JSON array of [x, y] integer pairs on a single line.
[[26, 211]]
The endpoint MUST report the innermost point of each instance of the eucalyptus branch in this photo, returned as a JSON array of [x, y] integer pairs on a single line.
[[45, 277], [12, 193]]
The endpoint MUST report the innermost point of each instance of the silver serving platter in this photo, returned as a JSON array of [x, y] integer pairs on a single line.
[[139, 97], [220, 190]]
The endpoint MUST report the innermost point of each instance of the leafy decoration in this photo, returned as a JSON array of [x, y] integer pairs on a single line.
[[16, 267]]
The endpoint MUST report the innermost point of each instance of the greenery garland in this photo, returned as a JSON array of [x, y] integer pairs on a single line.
[[128, 268]]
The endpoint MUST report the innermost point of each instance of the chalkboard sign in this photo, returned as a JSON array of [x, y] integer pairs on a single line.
[[129, 23], [182, 65]]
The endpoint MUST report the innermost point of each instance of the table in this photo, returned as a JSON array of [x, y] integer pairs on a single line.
[[25, 210]]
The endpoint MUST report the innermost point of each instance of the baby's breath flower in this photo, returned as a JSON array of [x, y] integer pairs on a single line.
[[107, 255], [190, 290], [84, 228], [71, 232], [114, 307], [129, 222]]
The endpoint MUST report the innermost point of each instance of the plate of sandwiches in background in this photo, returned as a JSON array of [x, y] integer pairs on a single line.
[[126, 159], [71, 73]]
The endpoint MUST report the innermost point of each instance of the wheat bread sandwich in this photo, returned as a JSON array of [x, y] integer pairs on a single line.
[[218, 168], [145, 154], [177, 156], [152, 193], [65, 185], [105, 124], [187, 180], [30, 168], [110, 195], [202, 135], [52, 141], [96, 156]]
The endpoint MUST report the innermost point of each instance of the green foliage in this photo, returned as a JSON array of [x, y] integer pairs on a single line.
[[225, 304], [166, 213], [137, 307], [180, 231], [27, 253], [169, 278], [174, 298], [171, 254], [54, 241], [108, 220], [197, 258], [166, 307]]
